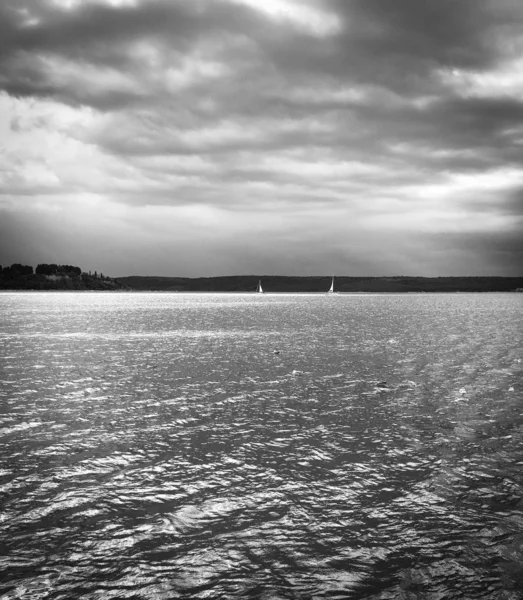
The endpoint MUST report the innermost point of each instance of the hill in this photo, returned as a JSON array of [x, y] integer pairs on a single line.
[[248, 283]]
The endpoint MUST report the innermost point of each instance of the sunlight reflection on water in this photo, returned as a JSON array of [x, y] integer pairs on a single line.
[[289, 446]]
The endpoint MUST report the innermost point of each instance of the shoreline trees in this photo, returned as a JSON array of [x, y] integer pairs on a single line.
[[54, 277]]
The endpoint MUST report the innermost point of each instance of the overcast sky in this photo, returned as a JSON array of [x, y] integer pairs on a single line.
[[216, 137]]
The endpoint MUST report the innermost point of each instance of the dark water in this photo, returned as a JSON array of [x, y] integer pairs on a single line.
[[155, 446]]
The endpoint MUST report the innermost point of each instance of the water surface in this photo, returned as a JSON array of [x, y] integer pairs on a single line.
[[285, 446]]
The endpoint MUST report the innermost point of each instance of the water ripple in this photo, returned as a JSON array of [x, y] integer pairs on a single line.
[[156, 446]]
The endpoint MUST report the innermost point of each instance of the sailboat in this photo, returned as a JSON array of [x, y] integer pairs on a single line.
[[331, 289], [259, 289]]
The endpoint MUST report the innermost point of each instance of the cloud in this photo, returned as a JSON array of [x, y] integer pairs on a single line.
[[377, 120]]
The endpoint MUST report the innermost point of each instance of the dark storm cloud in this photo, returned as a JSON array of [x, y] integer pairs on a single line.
[[510, 204], [93, 28], [501, 252], [34, 34], [441, 33], [394, 44], [397, 44], [514, 205]]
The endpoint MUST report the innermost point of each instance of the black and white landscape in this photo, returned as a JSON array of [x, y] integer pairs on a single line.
[[259, 329]]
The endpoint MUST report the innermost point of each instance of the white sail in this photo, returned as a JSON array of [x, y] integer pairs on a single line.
[[259, 289], [331, 289]]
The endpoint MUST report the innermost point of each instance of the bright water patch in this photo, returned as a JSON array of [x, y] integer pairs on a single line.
[[156, 446]]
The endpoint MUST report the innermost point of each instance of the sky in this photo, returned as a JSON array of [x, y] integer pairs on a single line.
[[284, 137]]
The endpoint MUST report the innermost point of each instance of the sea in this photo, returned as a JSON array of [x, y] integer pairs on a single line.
[[275, 446]]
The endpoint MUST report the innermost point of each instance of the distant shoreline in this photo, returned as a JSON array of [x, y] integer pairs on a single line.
[[318, 284], [271, 285], [253, 293], [61, 278]]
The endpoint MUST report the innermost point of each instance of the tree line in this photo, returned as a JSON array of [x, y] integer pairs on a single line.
[[19, 270], [54, 277]]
